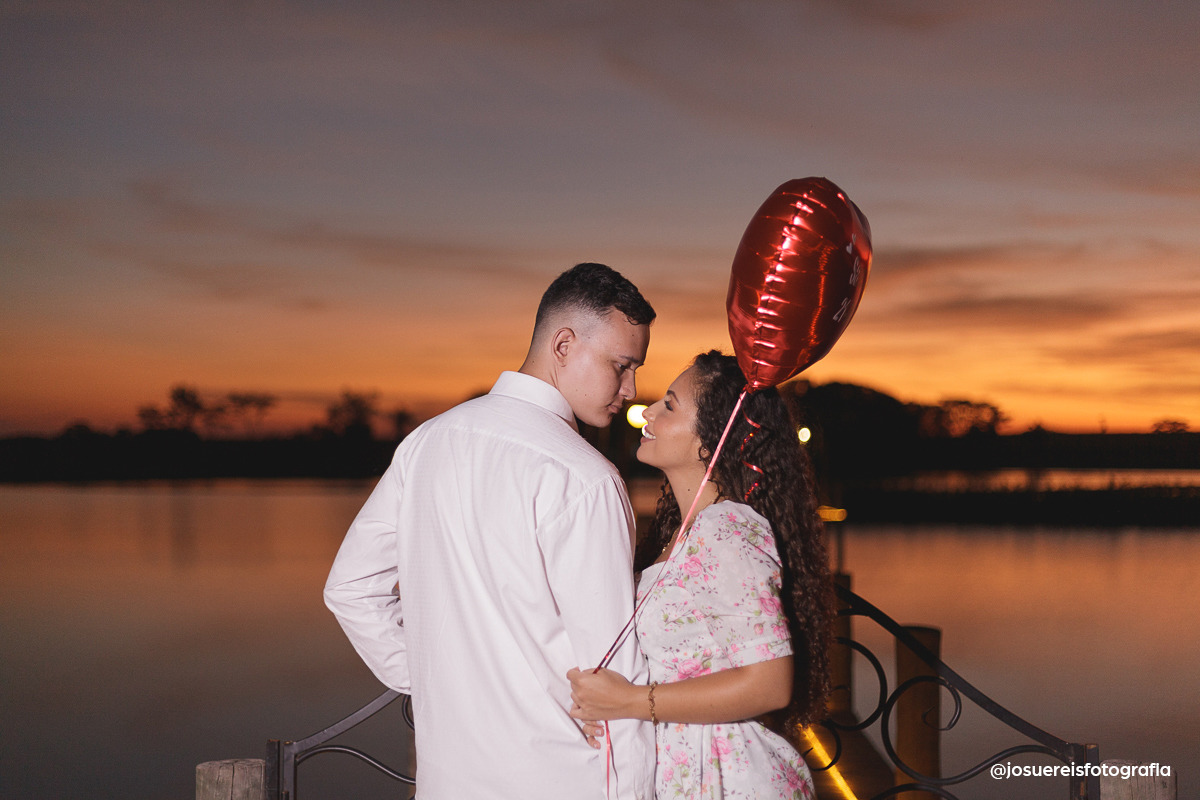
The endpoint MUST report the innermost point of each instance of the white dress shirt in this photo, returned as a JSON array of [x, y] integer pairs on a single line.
[[493, 556]]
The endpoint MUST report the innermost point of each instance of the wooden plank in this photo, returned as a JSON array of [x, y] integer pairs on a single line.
[[918, 711], [232, 779], [841, 673], [1125, 782]]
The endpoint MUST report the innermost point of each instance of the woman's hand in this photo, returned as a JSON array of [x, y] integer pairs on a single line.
[[604, 695], [729, 695], [593, 732]]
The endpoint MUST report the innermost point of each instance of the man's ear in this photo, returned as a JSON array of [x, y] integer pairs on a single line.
[[561, 343]]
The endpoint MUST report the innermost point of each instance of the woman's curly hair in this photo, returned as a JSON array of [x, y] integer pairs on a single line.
[[764, 435]]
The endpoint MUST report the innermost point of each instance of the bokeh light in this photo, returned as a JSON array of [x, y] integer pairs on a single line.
[[634, 415]]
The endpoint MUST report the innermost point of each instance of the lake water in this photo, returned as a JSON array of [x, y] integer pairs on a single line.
[[1044, 479], [149, 628]]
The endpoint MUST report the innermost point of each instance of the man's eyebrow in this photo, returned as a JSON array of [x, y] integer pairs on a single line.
[[631, 360]]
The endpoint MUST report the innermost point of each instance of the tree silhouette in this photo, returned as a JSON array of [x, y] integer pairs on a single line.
[[857, 432], [152, 418], [960, 418], [351, 415], [402, 422], [215, 418], [250, 409], [185, 408]]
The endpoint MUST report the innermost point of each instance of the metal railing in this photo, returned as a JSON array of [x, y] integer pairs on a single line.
[[1041, 742], [284, 757]]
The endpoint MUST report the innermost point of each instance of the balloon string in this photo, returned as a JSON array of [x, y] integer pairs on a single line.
[[747, 464], [681, 536], [609, 763], [610, 757]]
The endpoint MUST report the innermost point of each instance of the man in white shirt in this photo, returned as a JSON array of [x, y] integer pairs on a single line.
[[495, 554]]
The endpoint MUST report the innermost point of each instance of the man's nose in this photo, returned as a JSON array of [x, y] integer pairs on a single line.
[[629, 387]]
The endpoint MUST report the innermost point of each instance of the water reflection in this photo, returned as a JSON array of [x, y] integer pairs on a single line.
[[148, 628], [1043, 480]]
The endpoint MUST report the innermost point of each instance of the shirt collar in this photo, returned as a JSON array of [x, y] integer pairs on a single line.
[[536, 391]]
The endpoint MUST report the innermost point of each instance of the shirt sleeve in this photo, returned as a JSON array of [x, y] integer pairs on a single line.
[[737, 589], [589, 565], [362, 591]]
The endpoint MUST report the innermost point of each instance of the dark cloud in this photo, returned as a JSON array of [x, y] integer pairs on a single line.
[[972, 287], [171, 212], [1047, 312], [23, 213], [688, 279], [1172, 175], [223, 281], [1132, 392], [1186, 341], [1012, 312], [911, 261], [174, 213], [1179, 347], [406, 252], [242, 282], [915, 15], [471, 256]]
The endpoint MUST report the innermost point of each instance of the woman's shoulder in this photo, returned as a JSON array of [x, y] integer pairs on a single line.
[[738, 533], [733, 510], [730, 517]]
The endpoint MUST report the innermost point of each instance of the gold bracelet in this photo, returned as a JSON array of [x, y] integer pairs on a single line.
[[653, 716]]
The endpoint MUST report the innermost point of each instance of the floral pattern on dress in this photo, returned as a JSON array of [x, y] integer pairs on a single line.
[[714, 606]]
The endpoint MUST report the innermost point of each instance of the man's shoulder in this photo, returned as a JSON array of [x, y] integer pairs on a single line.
[[523, 431]]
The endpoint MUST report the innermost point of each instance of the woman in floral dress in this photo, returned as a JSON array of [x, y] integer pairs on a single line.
[[737, 622]]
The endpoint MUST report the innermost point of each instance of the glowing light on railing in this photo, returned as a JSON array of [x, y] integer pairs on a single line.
[[634, 416], [831, 514], [804, 434], [819, 752]]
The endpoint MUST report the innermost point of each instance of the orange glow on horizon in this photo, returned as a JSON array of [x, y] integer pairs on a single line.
[[66, 374], [44, 398]]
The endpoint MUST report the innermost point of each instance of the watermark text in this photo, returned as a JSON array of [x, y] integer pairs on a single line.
[[1124, 771]]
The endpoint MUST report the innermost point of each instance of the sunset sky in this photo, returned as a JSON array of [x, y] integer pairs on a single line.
[[300, 198]]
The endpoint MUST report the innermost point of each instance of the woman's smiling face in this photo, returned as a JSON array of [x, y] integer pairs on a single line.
[[669, 439]]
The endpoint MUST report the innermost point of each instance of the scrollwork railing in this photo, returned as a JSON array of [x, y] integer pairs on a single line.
[[1082, 786], [283, 757]]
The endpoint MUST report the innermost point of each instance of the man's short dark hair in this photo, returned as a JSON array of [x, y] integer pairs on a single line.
[[595, 288]]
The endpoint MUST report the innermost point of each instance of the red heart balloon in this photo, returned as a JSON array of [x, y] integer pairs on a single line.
[[797, 279]]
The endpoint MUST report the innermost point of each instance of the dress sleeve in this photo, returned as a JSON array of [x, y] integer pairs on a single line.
[[734, 578]]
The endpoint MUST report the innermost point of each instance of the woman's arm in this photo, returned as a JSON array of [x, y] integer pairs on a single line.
[[730, 695]]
